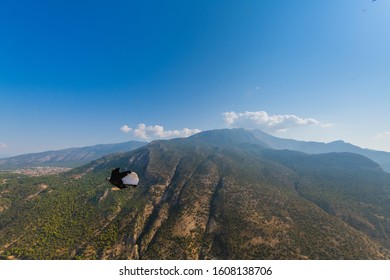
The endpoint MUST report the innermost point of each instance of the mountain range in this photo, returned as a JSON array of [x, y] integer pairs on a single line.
[[220, 194], [71, 157], [311, 147], [74, 157]]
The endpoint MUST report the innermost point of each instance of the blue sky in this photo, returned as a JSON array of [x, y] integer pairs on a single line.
[[76, 73]]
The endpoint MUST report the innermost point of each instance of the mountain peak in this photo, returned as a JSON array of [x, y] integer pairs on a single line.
[[216, 195], [224, 137]]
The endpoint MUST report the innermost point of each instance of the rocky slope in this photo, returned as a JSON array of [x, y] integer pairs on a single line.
[[216, 195]]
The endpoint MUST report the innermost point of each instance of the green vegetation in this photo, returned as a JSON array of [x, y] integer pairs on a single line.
[[237, 200]]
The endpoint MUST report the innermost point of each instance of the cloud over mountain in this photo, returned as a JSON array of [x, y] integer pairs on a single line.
[[264, 121], [3, 145], [126, 129], [157, 132]]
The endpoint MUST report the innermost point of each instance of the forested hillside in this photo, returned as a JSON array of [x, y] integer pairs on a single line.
[[216, 195]]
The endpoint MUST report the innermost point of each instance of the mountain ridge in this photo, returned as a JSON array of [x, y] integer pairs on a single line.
[[81, 155], [215, 195], [71, 157], [252, 164], [312, 147]]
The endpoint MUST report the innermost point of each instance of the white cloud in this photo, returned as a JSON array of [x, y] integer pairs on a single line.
[[262, 120], [383, 136], [3, 145], [126, 129], [157, 131]]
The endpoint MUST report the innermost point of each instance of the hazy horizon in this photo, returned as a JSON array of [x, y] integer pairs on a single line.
[[146, 141]]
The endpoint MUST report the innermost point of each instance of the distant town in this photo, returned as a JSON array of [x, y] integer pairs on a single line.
[[40, 171]]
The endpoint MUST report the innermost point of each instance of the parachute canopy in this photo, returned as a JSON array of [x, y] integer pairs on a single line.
[[131, 179], [123, 179]]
